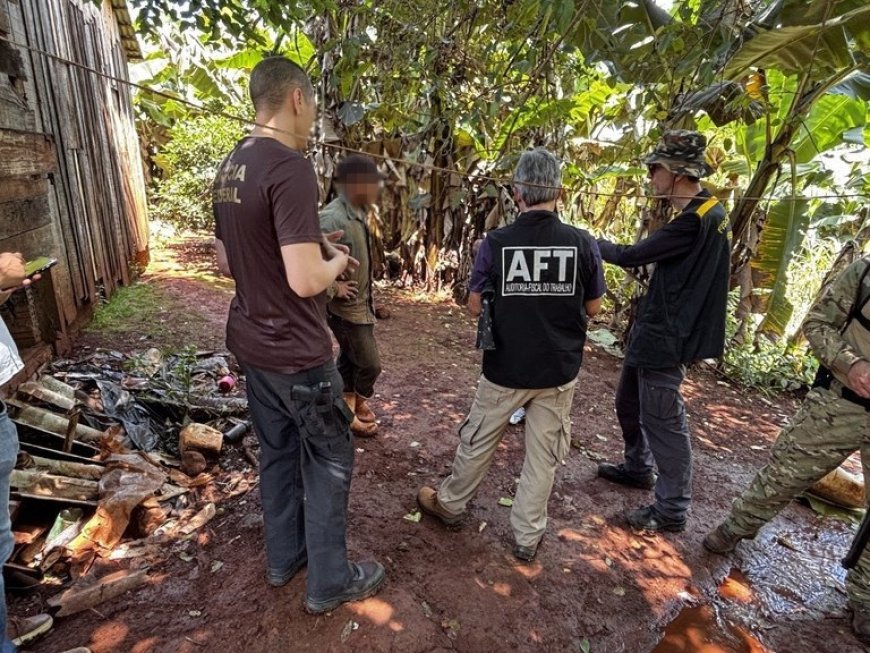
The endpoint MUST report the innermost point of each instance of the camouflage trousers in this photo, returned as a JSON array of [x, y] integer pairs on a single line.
[[825, 431]]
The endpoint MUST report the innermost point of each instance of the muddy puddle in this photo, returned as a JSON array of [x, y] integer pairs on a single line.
[[783, 576], [797, 574], [710, 628]]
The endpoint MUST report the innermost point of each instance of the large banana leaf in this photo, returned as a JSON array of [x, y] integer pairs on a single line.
[[783, 233], [791, 48], [825, 126], [830, 118]]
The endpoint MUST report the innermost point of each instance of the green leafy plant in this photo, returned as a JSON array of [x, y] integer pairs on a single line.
[[189, 160]]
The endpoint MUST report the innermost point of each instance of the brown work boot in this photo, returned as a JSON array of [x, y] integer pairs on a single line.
[[722, 539], [362, 411], [23, 630], [358, 427], [427, 499], [860, 621], [363, 429]]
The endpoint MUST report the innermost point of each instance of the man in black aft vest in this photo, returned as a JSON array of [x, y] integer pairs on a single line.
[[547, 278], [680, 319]]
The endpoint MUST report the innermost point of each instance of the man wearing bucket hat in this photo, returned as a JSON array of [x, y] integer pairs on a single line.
[[680, 319]]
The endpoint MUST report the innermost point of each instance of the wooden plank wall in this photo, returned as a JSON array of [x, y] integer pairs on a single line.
[[71, 178]]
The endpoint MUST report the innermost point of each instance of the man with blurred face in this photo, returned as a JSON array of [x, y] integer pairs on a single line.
[[351, 309], [680, 319], [268, 239]]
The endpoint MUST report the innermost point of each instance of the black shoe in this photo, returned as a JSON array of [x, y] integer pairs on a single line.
[[619, 474], [367, 579], [650, 519], [280, 579], [525, 553], [861, 621]]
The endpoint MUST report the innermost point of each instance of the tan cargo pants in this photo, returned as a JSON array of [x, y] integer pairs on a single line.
[[547, 440]]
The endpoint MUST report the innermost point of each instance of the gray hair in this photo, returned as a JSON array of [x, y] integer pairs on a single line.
[[538, 178], [272, 78]]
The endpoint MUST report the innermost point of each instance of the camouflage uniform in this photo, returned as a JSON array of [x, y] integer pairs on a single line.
[[826, 430]]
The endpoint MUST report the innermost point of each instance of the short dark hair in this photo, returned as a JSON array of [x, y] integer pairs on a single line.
[[272, 78], [357, 165]]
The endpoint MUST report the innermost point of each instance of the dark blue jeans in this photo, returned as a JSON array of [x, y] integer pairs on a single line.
[[306, 461], [8, 456], [652, 415]]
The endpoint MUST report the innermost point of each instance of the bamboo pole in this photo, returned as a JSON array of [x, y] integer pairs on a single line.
[[63, 487]]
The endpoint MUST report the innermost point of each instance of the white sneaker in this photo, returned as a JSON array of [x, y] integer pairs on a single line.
[[518, 416]]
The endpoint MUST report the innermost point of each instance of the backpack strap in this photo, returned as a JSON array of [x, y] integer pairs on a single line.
[[857, 312]]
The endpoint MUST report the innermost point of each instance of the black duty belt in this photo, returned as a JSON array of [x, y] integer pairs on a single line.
[[824, 378]]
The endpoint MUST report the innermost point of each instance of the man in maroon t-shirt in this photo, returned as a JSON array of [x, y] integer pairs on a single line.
[[268, 239]]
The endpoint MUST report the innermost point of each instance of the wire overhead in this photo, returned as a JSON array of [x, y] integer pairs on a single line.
[[476, 178]]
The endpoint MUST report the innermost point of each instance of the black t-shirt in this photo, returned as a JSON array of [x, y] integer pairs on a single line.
[[264, 196]]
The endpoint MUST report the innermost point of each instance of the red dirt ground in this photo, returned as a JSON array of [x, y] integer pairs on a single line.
[[595, 585]]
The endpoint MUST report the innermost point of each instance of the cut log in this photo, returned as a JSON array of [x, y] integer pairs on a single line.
[[58, 386], [201, 438], [89, 593], [54, 454], [841, 488], [200, 519], [59, 487], [193, 463], [43, 394], [48, 421], [29, 533], [71, 428], [65, 468]]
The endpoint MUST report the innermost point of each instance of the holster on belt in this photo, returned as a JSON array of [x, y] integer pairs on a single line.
[[319, 394]]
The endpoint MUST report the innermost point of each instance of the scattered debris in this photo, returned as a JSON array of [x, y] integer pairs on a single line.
[[202, 438], [87, 593], [607, 341], [115, 448], [505, 501], [413, 516], [349, 627]]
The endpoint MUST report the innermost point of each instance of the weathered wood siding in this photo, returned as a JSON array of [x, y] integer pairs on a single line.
[[71, 181]]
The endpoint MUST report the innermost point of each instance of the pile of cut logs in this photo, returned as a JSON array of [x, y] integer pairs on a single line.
[[79, 493]]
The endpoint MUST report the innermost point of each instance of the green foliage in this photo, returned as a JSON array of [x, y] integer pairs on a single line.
[[182, 196], [768, 365], [792, 48], [125, 305], [469, 84], [784, 232]]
